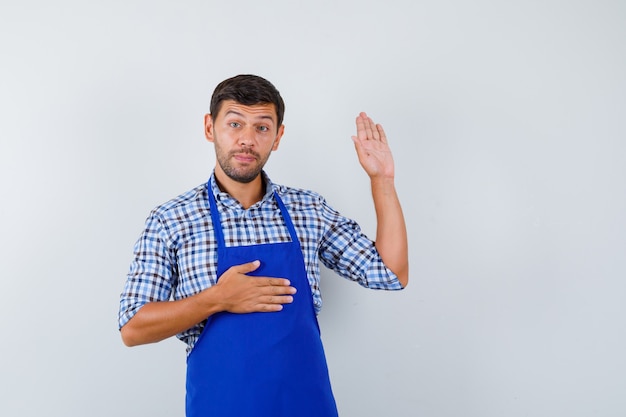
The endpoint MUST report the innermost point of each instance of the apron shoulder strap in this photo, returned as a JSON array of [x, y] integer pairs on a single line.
[[215, 216], [287, 218]]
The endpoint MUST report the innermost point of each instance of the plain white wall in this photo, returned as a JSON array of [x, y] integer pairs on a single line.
[[508, 124]]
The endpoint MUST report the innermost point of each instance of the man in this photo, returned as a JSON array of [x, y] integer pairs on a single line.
[[232, 267]]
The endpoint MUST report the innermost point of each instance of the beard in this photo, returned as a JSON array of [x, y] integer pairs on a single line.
[[242, 174]]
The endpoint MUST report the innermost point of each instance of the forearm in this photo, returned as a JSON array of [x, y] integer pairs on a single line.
[[235, 292], [157, 321], [391, 235]]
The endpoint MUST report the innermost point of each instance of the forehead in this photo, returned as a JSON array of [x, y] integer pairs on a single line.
[[255, 111]]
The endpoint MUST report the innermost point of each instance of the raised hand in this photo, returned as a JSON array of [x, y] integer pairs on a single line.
[[372, 148]]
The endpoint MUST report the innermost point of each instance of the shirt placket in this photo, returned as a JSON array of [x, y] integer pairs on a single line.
[[247, 228]]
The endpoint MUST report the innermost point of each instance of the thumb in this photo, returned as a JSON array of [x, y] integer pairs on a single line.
[[358, 146], [248, 267]]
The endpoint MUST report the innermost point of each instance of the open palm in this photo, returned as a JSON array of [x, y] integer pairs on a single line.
[[372, 148]]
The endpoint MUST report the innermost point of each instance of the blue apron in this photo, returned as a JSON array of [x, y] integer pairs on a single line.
[[261, 364]]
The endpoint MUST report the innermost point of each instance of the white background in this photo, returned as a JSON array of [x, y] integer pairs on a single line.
[[508, 125]]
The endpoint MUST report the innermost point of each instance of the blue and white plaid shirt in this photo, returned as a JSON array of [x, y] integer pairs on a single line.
[[176, 257]]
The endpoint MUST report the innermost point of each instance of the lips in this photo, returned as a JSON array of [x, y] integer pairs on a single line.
[[245, 156]]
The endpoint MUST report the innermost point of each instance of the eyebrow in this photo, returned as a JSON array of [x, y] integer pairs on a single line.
[[236, 113]]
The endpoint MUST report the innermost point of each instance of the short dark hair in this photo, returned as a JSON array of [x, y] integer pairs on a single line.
[[248, 90]]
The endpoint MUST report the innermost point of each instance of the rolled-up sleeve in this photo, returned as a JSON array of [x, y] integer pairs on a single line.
[[346, 250], [152, 273]]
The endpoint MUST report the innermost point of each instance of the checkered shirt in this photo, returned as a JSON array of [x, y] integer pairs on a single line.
[[176, 255]]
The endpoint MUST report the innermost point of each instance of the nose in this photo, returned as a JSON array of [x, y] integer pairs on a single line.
[[247, 137]]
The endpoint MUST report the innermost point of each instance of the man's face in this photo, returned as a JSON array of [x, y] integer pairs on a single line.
[[244, 136]]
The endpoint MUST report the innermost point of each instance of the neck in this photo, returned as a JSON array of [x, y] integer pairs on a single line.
[[246, 194]]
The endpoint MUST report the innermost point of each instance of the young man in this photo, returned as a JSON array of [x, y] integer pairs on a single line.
[[232, 266]]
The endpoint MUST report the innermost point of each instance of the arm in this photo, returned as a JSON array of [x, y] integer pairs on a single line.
[[376, 159], [235, 292]]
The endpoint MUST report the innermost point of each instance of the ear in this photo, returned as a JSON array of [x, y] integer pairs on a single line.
[[208, 127], [279, 135]]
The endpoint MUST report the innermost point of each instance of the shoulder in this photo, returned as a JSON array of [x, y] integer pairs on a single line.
[[308, 204], [188, 206], [298, 197]]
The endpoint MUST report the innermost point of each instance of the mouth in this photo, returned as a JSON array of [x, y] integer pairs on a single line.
[[245, 157]]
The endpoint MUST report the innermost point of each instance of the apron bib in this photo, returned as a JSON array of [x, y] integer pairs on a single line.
[[261, 364]]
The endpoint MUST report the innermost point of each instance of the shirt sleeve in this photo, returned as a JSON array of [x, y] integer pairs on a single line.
[[346, 250], [152, 272]]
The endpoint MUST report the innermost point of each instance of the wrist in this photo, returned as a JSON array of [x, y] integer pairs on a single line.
[[382, 183], [211, 300]]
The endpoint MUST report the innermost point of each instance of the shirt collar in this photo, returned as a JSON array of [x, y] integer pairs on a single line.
[[228, 201]]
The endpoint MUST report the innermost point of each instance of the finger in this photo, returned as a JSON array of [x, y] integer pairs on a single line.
[[268, 308], [279, 299], [279, 285], [381, 133], [369, 127], [372, 130], [360, 126], [272, 304], [282, 290]]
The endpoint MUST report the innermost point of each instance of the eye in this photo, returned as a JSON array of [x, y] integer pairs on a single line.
[[234, 124], [264, 128]]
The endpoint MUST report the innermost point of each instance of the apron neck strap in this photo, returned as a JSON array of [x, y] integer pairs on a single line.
[[217, 224]]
